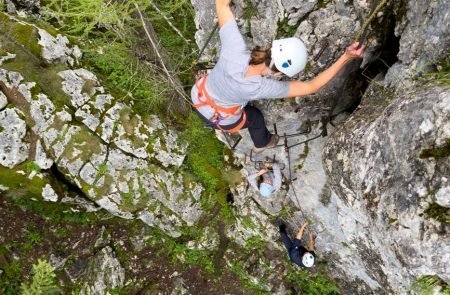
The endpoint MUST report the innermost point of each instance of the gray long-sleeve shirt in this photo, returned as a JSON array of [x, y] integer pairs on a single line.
[[227, 84], [275, 176]]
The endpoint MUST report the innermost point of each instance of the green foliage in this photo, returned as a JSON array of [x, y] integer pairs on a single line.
[[12, 272], [102, 169], [55, 212], [181, 14], [426, 285], [285, 30], [239, 270], [81, 17], [249, 10], [180, 253], [255, 243], [438, 212], [442, 75], [204, 154], [122, 72], [436, 152], [33, 238], [32, 166], [306, 282], [43, 280]]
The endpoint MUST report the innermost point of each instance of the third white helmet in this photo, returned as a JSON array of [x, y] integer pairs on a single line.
[[308, 259], [289, 55]]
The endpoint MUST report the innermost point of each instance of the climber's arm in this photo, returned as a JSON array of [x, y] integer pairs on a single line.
[[298, 88], [300, 232], [224, 13]]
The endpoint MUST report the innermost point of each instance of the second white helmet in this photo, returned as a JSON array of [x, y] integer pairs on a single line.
[[289, 55]]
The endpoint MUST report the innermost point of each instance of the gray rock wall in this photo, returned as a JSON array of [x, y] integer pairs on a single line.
[[365, 186]]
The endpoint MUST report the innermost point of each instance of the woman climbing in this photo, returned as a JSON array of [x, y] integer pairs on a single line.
[[265, 181], [241, 76], [297, 253]]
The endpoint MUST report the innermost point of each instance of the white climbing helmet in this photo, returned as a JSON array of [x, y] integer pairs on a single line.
[[289, 55], [266, 189], [308, 259]]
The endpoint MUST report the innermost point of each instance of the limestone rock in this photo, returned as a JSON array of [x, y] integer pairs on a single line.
[[49, 194], [378, 173], [104, 273], [41, 158], [57, 49], [3, 101], [13, 147]]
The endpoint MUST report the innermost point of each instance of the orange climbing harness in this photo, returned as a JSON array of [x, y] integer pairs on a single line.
[[220, 113]]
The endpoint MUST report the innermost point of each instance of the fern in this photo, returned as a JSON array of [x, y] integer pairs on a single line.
[[43, 280]]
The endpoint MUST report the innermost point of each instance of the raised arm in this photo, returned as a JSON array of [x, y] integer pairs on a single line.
[[302, 229], [224, 13], [298, 88], [252, 179]]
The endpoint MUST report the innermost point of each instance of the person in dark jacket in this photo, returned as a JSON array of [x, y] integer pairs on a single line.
[[298, 254]]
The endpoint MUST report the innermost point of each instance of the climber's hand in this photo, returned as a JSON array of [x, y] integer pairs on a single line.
[[353, 51], [262, 171], [268, 164]]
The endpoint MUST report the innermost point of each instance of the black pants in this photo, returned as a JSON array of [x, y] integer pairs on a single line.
[[286, 241], [255, 123]]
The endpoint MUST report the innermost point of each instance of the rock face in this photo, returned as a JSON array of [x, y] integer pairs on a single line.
[[96, 141], [104, 274], [369, 186], [367, 183]]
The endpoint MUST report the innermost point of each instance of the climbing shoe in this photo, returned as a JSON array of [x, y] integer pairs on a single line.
[[282, 227], [272, 142]]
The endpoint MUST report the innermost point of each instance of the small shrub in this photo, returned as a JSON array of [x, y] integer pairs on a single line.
[[43, 281], [438, 212]]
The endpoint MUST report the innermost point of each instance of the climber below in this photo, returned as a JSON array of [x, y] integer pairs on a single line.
[[241, 76], [267, 180], [297, 253]]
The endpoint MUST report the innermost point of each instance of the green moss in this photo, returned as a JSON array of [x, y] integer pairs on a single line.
[[438, 212], [25, 35], [3, 52], [56, 213], [32, 166], [46, 78], [436, 152], [20, 184], [102, 169]]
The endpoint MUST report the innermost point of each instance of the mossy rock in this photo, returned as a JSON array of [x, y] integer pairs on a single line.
[[19, 184]]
